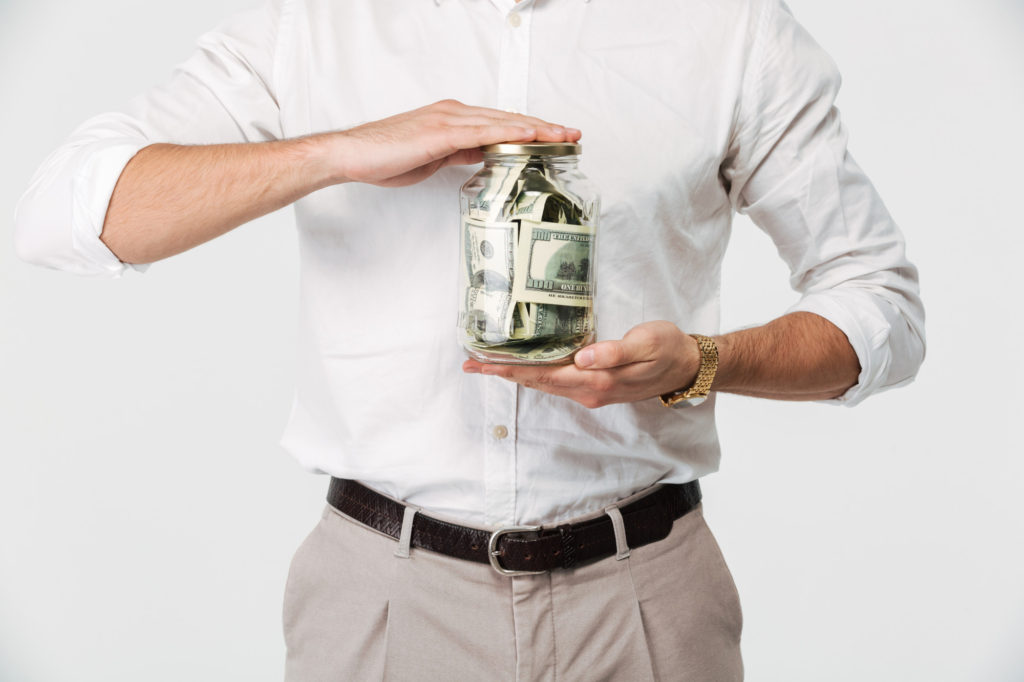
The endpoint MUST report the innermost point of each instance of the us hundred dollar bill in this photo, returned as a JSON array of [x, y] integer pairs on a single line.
[[489, 257], [489, 253], [552, 264], [559, 321]]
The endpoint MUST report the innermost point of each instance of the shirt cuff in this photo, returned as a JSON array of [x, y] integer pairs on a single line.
[[867, 329], [92, 187]]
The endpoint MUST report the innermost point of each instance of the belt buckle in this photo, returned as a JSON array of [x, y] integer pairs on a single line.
[[493, 553]]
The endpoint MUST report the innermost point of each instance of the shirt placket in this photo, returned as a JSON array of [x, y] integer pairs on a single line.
[[500, 452], [514, 62], [501, 396]]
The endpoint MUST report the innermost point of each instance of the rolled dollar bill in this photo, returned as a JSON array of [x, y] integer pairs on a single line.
[[563, 206], [500, 188], [489, 315], [522, 322], [530, 206]]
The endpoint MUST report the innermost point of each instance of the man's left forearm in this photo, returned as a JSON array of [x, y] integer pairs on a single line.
[[800, 356]]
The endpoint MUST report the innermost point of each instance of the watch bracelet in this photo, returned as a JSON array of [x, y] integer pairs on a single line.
[[705, 373]]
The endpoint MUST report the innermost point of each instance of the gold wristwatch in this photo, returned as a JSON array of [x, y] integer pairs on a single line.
[[698, 393]]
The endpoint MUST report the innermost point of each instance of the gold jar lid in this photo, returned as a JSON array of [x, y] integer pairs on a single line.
[[534, 148]]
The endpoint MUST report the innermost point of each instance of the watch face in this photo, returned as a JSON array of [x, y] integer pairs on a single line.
[[689, 402]]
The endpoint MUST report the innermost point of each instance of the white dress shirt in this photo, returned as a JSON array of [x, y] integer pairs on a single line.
[[690, 109]]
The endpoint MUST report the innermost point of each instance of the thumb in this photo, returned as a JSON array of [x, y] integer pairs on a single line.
[[606, 354], [464, 157]]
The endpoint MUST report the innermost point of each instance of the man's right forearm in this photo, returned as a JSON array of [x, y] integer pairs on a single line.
[[171, 198]]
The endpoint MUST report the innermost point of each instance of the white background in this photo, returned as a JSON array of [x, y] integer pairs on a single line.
[[147, 515]]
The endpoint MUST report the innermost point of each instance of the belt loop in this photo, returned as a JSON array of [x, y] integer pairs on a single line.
[[621, 548], [405, 539]]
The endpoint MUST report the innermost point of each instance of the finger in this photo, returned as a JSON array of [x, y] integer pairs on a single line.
[[472, 366], [545, 131], [527, 375], [558, 134], [471, 137], [466, 136], [551, 379], [499, 117], [589, 388], [464, 157]]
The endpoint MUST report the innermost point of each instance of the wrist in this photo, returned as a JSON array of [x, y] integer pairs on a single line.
[[689, 363], [696, 390], [322, 158], [722, 376]]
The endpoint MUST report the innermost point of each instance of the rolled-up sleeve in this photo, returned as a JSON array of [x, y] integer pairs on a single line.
[[790, 171], [224, 93]]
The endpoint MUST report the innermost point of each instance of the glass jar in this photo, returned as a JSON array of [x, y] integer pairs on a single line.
[[528, 237]]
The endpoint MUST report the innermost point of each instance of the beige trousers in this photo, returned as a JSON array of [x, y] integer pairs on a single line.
[[353, 610]]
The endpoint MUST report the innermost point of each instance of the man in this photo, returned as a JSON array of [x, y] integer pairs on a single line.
[[692, 110]]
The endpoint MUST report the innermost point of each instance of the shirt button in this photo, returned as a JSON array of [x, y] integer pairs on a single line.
[[514, 20], [500, 432]]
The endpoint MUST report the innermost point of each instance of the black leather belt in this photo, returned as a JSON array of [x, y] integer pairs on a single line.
[[518, 550]]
